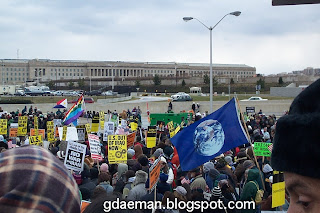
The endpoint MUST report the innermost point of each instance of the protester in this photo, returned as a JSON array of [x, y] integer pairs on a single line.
[[139, 188]]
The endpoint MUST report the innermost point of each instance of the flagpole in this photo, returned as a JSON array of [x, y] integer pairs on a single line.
[[247, 132]]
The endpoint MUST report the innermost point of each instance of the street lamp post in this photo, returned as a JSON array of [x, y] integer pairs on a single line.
[[236, 13]]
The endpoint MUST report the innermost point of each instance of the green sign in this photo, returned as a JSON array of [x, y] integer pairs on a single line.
[[262, 149]]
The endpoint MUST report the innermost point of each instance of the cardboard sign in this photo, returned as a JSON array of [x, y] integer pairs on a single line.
[[117, 149], [71, 133], [131, 139], [154, 174], [95, 124], [22, 125], [101, 116], [3, 126], [134, 126], [81, 134], [171, 129], [278, 189], [36, 125], [13, 133], [50, 131], [108, 130], [151, 136], [95, 147], [64, 133], [41, 132], [75, 156], [261, 149], [36, 140]]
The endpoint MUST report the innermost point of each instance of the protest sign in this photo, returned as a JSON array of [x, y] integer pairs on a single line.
[[13, 132], [64, 133], [75, 156], [114, 118], [57, 122], [88, 128], [36, 140], [50, 131], [130, 139], [177, 130], [171, 129], [117, 149], [261, 149], [95, 147], [71, 133], [278, 189], [81, 134], [36, 125], [250, 109], [22, 125], [33, 132], [151, 136], [108, 130], [101, 116], [3, 126], [134, 126], [95, 124], [154, 174]]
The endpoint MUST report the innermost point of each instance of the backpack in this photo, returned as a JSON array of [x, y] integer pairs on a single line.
[[259, 194]]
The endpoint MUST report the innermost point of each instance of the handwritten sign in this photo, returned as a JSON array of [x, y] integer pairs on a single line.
[[261, 149]]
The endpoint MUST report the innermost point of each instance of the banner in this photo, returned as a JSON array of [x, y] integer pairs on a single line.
[[3, 126], [95, 147], [117, 149], [131, 139], [154, 174], [108, 130], [151, 136], [36, 125], [171, 129], [13, 133], [81, 134], [278, 189], [42, 132], [22, 125], [95, 124], [36, 140], [101, 116], [50, 131], [75, 156], [261, 149]]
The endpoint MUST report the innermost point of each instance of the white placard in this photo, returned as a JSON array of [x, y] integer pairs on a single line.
[[95, 147], [72, 134], [75, 156], [108, 130]]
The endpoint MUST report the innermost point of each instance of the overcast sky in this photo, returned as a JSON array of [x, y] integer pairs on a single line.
[[272, 39]]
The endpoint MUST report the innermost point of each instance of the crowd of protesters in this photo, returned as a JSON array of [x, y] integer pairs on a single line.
[[236, 175]]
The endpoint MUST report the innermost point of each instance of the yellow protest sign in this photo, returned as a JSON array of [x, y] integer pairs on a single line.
[[134, 126], [278, 189], [177, 130], [64, 133], [3, 126], [50, 131], [88, 128], [117, 149], [22, 125], [95, 124], [171, 129], [151, 136], [36, 140], [42, 132], [101, 115], [36, 125]]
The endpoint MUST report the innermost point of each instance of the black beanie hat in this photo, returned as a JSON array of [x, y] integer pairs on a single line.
[[297, 135]]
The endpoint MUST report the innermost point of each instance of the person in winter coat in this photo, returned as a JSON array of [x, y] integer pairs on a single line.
[[119, 176], [250, 189], [130, 177], [139, 188], [197, 181], [164, 168], [104, 181], [162, 185]]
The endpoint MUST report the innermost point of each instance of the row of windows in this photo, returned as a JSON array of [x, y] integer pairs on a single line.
[[225, 72], [15, 79], [74, 70], [14, 69], [15, 74], [62, 74]]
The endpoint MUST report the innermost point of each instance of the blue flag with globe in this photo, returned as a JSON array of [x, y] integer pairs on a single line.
[[209, 137]]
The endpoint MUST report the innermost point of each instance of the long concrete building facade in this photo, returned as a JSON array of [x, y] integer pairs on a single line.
[[15, 71]]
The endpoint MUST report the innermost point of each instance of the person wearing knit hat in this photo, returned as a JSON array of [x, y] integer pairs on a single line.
[[158, 152], [131, 151], [296, 150], [248, 164], [162, 185], [139, 189], [216, 192], [168, 152], [41, 182], [104, 167]]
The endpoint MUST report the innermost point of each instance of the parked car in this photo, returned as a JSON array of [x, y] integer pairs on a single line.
[[86, 100], [181, 97], [19, 93], [254, 99], [109, 93], [93, 92]]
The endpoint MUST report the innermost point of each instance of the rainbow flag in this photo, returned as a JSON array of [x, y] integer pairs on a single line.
[[74, 112]]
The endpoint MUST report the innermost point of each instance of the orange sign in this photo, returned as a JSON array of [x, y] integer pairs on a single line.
[[154, 174], [13, 132], [130, 139], [40, 132]]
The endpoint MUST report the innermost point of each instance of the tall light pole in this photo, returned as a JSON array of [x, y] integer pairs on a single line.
[[236, 13]]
